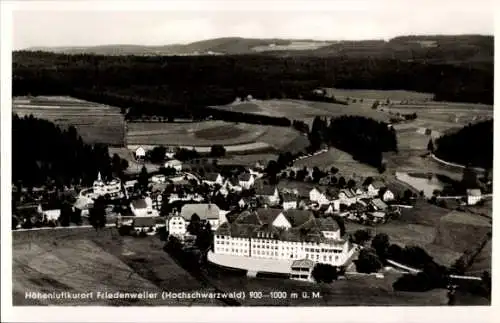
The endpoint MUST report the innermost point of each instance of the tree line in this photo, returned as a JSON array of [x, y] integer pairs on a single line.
[[364, 138], [472, 145], [175, 87], [43, 152]]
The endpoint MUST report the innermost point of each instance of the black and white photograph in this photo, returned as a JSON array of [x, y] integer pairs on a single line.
[[314, 154]]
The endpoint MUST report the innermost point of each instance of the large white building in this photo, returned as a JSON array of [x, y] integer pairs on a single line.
[[283, 235], [174, 163], [112, 188], [178, 223]]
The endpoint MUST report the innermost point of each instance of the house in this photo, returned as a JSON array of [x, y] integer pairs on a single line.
[[289, 201], [319, 196], [268, 193], [174, 163], [143, 208], [159, 179], [140, 153], [144, 224], [379, 205], [244, 202], [386, 195], [83, 205], [246, 181], [347, 197], [302, 270], [49, 212], [374, 187], [473, 196], [273, 234], [213, 179], [207, 212]]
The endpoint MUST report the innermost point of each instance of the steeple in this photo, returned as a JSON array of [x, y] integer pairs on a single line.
[[99, 177]]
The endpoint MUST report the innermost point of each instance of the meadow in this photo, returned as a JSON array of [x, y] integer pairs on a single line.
[[94, 122], [235, 137]]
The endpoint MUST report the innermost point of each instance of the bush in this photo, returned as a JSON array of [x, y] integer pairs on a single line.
[[368, 262], [324, 273], [361, 236]]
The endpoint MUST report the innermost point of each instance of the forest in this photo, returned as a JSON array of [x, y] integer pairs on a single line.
[[472, 145], [180, 87], [43, 152], [364, 138]]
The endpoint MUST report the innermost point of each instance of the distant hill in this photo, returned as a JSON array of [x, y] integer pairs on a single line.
[[433, 48]]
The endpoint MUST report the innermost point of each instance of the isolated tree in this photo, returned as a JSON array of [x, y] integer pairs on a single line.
[[394, 252], [342, 182], [351, 183], [66, 214], [291, 175], [430, 146], [217, 151], [334, 170], [380, 244], [194, 225], [368, 262], [157, 154], [368, 181], [317, 174], [324, 273], [143, 177], [97, 214], [361, 236]]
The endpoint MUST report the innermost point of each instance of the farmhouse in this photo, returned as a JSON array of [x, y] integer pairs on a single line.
[[174, 163], [50, 212], [319, 196], [246, 181], [212, 179], [268, 193], [158, 179], [207, 212], [289, 235], [140, 153], [386, 195], [473, 196], [374, 188], [347, 197], [143, 208], [302, 270]]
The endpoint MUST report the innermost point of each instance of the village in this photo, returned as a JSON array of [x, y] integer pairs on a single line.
[[244, 217]]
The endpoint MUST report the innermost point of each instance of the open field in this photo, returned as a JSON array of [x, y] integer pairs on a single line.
[[94, 122], [343, 161], [302, 110], [247, 159], [202, 135], [88, 261]]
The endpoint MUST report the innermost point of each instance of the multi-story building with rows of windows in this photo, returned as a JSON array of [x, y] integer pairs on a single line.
[[261, 235]]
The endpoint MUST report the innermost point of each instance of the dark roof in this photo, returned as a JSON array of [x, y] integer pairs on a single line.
[[298, 217], [303, 263], [203, 210], [245, 177], [268, 215], [289, 197], [139, 204], [233, 181], [265, 190], [379, 204], [378, 184], [212, 177], [144, 221], [348, 193]]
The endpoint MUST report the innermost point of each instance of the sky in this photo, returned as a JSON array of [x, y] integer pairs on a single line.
[[53, 24]]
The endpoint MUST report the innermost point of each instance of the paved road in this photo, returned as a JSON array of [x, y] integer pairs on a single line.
[[57, 228]]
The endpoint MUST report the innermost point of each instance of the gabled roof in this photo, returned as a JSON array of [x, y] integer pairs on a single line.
[[298, 217], [265, 190], [204, 210], [474, 192], [303, 263], [379, 204], [378, 184], [268, 215], [327, 224], [348, 193], [289, 197], [139, 204]]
